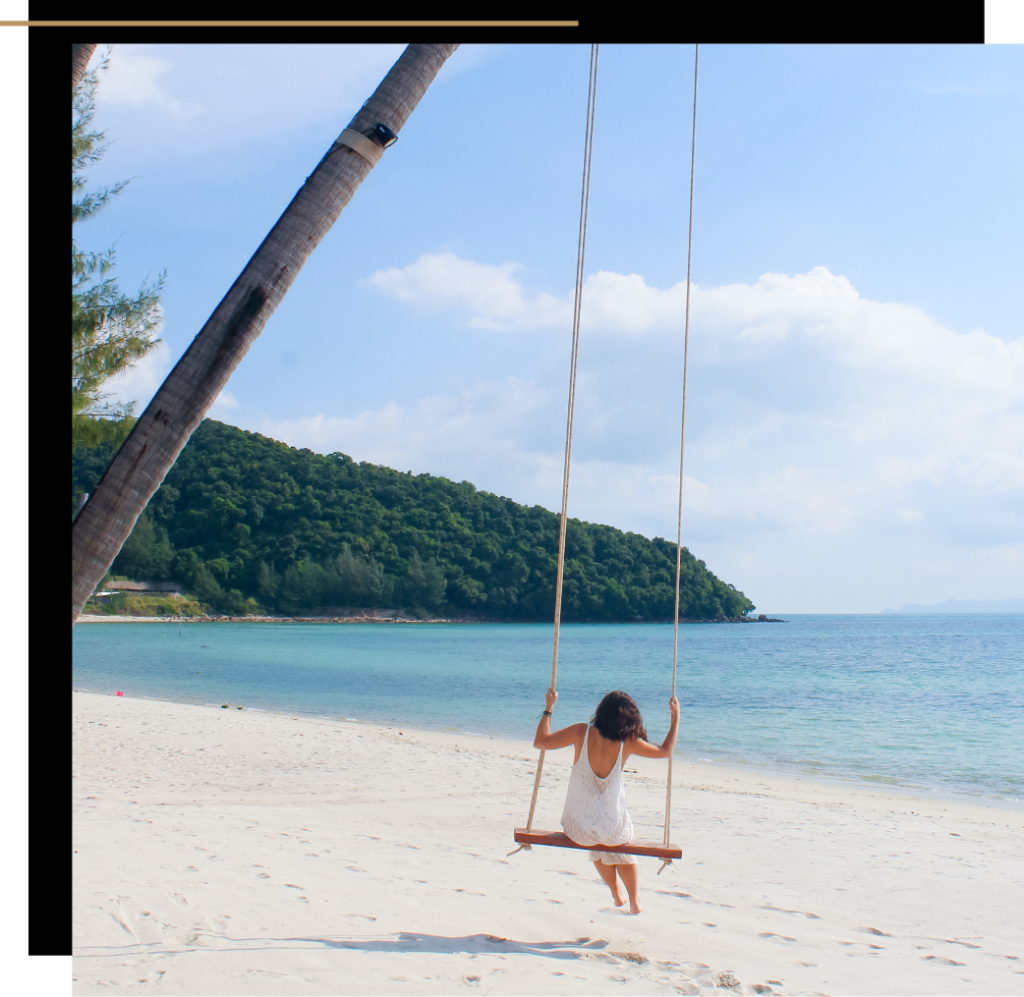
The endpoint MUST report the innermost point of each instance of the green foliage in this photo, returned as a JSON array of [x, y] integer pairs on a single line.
[[139, 604], [147, 553], [242, 516], [110, 331]]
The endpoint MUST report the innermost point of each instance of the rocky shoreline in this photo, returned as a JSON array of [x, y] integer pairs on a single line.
[[373, 619]]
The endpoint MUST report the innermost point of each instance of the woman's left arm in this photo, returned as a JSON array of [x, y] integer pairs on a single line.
[[547, 739], [665, 749]]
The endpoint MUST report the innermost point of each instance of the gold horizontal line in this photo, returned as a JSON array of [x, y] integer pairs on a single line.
[[289, 24]]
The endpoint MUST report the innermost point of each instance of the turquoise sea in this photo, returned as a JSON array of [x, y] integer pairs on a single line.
[[931, 703]]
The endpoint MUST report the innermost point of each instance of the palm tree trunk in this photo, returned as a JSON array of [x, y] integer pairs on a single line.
[[80, 56], [183, 399]]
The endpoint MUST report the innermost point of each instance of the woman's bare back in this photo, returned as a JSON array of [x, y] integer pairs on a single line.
[[603, 754]]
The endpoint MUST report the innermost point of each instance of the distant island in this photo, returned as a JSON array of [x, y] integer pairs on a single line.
[[964, 606], [248, 525]]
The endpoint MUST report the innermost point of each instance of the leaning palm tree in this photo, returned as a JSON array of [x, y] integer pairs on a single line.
[[193, 385]]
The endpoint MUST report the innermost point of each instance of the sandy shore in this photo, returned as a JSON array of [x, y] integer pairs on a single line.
[[238, 852]]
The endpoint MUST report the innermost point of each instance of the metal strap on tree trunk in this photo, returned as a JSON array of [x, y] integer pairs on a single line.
[[358, 142]]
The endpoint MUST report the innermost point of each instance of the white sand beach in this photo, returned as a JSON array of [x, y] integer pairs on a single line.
[[226, 851]]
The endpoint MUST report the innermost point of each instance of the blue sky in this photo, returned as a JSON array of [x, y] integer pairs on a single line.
[[856, 433]]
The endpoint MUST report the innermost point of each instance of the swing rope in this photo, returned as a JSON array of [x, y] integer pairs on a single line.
[[580, 256], [581, 250], [682, 445]]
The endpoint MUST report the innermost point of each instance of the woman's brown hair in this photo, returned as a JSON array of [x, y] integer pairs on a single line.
[[617, 718]]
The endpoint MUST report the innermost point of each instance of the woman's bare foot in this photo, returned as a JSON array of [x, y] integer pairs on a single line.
[[607, 873], [627, 873]]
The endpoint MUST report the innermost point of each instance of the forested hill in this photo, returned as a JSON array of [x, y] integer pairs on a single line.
[[242, 517]]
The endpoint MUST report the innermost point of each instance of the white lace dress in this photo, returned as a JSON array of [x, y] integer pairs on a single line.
[[595, 809]]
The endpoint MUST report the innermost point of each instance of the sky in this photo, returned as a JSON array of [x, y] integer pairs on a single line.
[[855, 425]]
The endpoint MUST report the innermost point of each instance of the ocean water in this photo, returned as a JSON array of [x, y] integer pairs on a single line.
[[932, 703]]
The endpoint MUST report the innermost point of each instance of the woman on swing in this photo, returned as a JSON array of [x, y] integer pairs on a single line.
[[595, 804]]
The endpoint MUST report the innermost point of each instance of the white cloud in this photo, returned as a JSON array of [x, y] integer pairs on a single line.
[[729, 322], [477, 436], [820, 309], [492, 296], [139, 382], [223, 405], [133, 80], [819, 417]]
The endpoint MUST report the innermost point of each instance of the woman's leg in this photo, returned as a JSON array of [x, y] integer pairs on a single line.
[[608, 875], [629, 879]]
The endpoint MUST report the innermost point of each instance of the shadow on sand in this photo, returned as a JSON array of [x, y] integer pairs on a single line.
[[405, 941], [414, 941]]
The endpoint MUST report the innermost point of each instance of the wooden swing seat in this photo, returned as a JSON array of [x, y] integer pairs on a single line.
[[559, 840]]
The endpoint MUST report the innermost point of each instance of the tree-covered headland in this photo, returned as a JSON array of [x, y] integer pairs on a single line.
[[244, 521]]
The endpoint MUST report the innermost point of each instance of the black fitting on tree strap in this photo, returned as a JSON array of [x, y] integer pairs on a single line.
[[382, 135]]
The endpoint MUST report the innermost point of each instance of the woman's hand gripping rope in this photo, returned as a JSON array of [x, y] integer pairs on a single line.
[[670, 741], [550, 698]]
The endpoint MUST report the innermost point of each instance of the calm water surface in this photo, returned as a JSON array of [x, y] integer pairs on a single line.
[[929, 702]]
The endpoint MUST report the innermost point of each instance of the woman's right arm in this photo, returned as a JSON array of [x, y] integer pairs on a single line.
[[546, 739], [665, 749]]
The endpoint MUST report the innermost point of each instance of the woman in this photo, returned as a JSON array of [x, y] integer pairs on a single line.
[[595, 804]]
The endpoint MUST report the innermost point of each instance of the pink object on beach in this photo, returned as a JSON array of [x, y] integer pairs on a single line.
[[118, 693]]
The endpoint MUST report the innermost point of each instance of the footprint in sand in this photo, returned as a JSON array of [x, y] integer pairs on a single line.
[[875, 949], [783, 910], [773, 935], [942, 960], [694, 968]]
